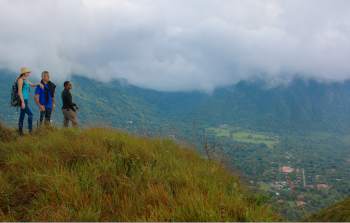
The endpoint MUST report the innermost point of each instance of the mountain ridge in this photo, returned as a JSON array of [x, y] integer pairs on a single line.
[[301, 105]]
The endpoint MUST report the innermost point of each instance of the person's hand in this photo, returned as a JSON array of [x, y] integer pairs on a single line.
[[23, 106], [41, 85], [42, 108], [53, 106], [77, 107]]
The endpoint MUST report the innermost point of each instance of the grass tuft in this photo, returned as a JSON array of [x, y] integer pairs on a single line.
[[6, 134]]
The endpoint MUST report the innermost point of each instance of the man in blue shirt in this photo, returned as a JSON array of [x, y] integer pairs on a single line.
[[46, 101]]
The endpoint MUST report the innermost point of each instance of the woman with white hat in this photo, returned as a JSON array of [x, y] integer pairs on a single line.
[[23, 89]]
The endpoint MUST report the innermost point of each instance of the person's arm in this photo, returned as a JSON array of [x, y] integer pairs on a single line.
[[41, 107], [20, 86], [34, 85], [68, 98], [36, 99], [53, 101]]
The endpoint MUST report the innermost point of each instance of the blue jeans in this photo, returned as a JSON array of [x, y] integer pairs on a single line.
[[47, 114], [24, 111]]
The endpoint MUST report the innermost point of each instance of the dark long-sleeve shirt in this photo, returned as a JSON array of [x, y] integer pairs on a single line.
[[67, 100]]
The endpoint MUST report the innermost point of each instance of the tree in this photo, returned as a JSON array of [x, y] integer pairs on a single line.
[[263, 145]]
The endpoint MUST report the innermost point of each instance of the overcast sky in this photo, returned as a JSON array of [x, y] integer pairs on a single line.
[[176, 45]]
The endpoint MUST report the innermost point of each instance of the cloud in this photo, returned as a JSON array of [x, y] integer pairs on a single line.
[[177, 45]]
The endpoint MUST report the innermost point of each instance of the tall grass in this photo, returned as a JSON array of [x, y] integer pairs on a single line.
[[98, 174]]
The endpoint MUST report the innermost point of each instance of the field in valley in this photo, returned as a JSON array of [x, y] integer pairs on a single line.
[[243, 135]]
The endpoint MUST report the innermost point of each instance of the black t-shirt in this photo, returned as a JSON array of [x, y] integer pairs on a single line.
[[67, 100]]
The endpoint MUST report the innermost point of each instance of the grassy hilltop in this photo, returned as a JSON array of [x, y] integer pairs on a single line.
[[337, 212], [98, 174]]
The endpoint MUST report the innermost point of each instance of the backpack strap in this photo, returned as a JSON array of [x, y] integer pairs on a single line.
[[23, 83]]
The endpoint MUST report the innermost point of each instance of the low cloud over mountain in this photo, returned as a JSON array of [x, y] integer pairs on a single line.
[[177, 45]]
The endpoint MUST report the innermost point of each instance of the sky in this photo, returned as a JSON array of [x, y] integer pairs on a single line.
[[178, 45]]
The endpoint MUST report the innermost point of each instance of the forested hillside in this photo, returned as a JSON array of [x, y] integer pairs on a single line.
[[300, 106], [113, 103]]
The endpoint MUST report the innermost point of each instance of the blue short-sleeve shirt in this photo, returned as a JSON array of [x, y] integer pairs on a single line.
[[42, 96]]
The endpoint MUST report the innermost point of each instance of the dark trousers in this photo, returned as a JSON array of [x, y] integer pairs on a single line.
[[24, 111], [47, 114]]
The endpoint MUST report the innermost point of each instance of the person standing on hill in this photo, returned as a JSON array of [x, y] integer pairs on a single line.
[[23, 89], [46, 101], [69, 113]]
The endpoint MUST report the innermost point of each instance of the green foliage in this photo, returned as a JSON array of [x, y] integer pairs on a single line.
[[337, 212], [259, 198], [256, 198], [263, 145]]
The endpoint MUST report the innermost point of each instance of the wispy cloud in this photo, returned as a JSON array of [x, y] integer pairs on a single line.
[[177, 45]]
